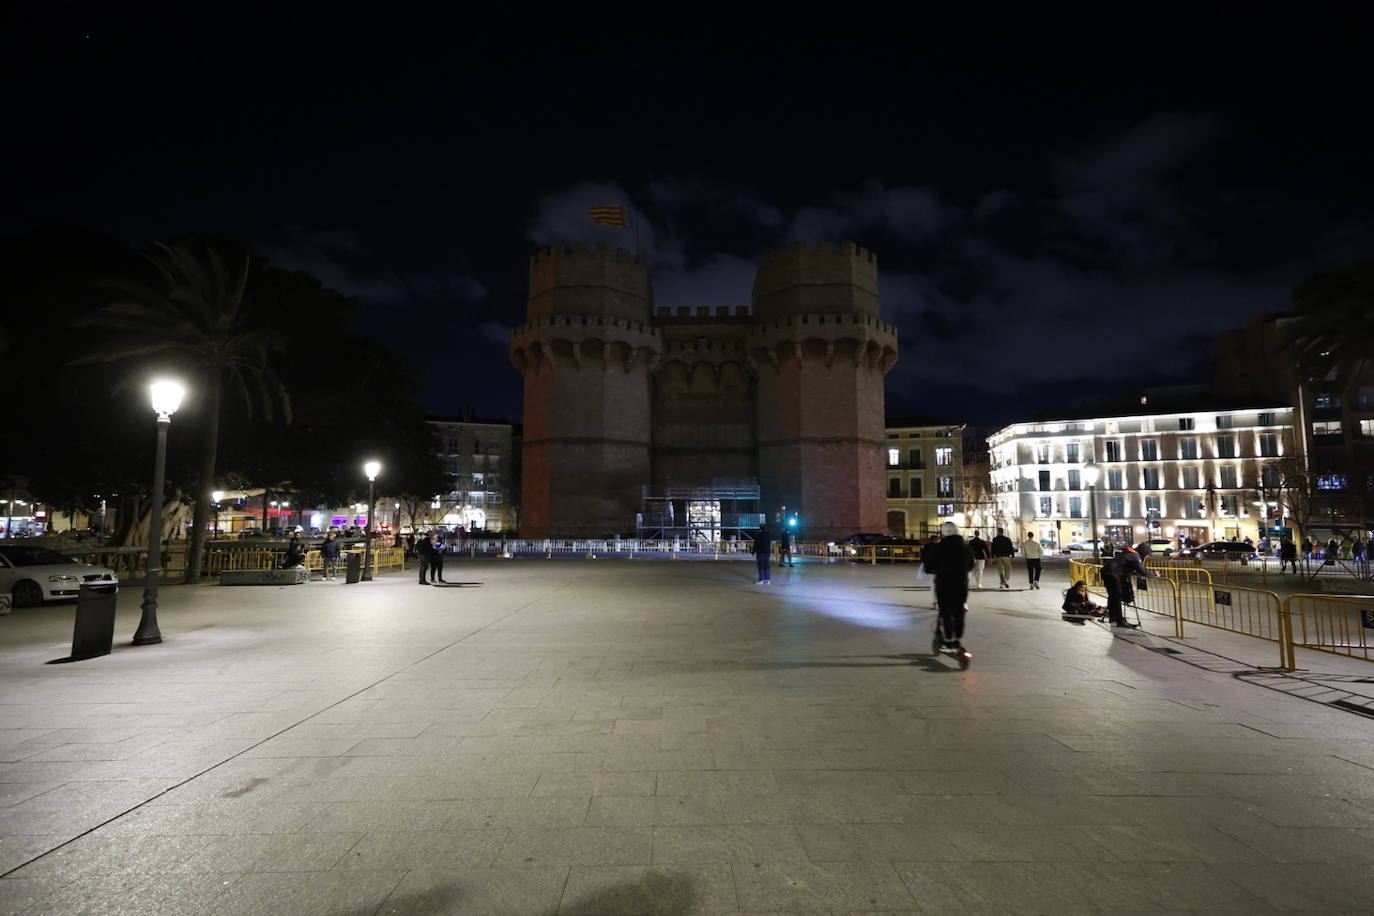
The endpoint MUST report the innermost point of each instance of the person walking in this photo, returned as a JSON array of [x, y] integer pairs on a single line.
[[763, 553], [980, 558], [329, 553], [1002, 550], [785, 546], [1288, 555], [424, 552], [1033, 551], [950, 560], [1116, 578]]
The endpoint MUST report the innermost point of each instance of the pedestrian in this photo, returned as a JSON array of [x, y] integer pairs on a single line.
[[1117, 576], [763, 553], [1333, 548], [1033, 551], [1078, 604], [329, 553], [950, 560], [424, 552], [1002, 550], [436, 558], [785, 546], [1288, 555], [929, 550], [1357, 550], [981, 553]]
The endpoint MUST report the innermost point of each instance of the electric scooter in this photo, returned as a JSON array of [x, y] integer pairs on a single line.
[[941, 646]]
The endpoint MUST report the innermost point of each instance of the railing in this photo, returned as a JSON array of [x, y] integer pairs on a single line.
[[1339, 624]]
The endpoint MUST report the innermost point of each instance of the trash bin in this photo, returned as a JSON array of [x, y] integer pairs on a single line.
[[353, 568], [95, 619]]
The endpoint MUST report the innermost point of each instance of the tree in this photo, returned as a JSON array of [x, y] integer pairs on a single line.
[[1332, 335], [196, 317]]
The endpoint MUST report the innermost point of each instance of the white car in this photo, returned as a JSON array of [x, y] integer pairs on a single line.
[[37, 574], [1083, 545]]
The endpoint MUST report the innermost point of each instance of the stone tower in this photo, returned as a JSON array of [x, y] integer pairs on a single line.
[[586, 353], [820, 352]]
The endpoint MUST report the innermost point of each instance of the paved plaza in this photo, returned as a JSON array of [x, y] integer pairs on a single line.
[[636, 736]]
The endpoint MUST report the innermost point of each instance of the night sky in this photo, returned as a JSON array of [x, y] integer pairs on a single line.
[[1063, 209]]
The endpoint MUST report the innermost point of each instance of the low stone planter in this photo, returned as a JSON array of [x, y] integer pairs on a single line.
[[297, 575]]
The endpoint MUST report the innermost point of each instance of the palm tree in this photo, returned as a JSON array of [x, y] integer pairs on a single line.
[[1331, 336], [198, 317]]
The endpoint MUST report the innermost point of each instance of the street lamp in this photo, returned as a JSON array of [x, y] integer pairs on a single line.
[[371, 469], [165, 396], [217, 496], [1091, 473]]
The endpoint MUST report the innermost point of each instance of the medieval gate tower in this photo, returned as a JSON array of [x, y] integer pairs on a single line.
[[621, 396]]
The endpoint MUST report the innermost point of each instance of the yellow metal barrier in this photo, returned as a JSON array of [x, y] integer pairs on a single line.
[[1339, 624], [217, 561], [388, 558]]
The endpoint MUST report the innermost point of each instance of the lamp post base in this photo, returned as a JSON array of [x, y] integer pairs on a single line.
[[147, 633]]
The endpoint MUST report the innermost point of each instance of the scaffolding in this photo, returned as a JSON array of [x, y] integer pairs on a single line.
[[722, 510]]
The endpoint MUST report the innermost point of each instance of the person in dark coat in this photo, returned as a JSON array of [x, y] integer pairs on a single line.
[[950, 561], [763, 553], [1117, 576], [295, 554], [981, 552], [1078, 605], [436, 559], [329, 553], [785, 546], [1288, 554], [424, 552], [1002, 550]]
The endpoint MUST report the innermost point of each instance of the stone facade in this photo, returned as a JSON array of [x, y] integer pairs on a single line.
[[620, 394]]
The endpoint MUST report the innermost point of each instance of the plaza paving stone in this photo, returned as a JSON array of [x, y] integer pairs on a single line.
[[645, 736]]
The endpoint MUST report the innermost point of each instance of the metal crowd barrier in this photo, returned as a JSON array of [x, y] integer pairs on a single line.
[[1338, 624]]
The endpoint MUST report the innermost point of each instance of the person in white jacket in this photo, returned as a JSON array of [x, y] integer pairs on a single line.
[[1033, 553]]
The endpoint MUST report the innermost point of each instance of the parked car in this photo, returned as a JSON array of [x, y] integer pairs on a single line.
[[1162, 547], [1223, 548], [1083, 545], [37, 574]]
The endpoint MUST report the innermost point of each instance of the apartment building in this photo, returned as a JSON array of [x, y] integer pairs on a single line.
[[924, 462], [1193, 472], [480, 460]]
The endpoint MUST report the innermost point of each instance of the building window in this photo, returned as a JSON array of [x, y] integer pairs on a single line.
[[944, 456], [493, 499], [944, 509], [1043, 481], [1150, 478], [1116, 507], [1331, 482], [1113, 450], [944, 486], [1196, 507], [1185, 423], [1230, 505], [1266, 419], [1187, 448], [1075, 507], [1071, 453], [1326, 428], [1226, 446], [1149, 450], [1367, 427], [1114, 479], [913, 458], [1042, 454], [1153, 507], [1046, 506], [1190, 479], [1269, 445], [894, 488], [1075, 480], [1269, 476], [1228, 477], [894, 457], [1326, 400], [915, 488]]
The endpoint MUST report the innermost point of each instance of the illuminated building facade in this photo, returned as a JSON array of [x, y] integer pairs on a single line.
[[924, 463], [627, 403], [1195, 473], [480, 459]]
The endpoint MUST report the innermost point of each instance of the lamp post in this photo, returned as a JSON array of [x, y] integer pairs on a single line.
[[217, 496], [166, 398], [371, 469], [1090, 474], [287, 528]]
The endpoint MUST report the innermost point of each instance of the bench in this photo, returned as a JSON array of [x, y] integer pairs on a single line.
[[297, 575]]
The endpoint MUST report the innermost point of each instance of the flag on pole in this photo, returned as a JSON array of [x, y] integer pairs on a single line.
[[608, 216]]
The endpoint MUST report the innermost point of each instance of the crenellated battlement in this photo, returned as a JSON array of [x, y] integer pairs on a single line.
[[581, 250], [822, 278], [816, 320], [585, 321]]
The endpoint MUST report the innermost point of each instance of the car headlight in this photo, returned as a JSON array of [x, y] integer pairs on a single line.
[[63, 579]]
